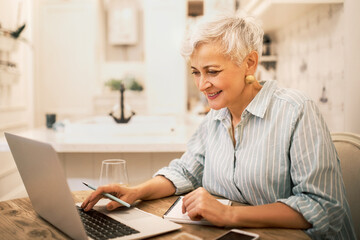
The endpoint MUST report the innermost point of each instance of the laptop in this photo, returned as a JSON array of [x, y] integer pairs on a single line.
[[49, 193]]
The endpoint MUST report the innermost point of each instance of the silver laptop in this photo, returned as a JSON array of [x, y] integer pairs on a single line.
[[51, 198]]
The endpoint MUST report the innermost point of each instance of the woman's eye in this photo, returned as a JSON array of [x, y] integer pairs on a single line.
[[213, 72], [195, 73]]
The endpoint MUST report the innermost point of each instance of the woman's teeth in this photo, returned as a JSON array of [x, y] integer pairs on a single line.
[[213, 94]]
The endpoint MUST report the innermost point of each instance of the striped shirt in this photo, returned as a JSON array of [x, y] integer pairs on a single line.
[[283, 153]]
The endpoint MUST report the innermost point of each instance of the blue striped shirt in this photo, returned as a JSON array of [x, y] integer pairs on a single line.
[[283, 152]]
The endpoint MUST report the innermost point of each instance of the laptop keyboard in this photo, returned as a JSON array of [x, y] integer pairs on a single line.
[[100, 226]]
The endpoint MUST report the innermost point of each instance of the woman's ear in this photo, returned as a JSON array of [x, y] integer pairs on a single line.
[[251, 63]]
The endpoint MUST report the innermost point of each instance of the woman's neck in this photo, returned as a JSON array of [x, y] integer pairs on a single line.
[[248, 94]]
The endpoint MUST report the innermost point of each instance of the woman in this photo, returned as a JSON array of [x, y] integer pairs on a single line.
[[260, 144]]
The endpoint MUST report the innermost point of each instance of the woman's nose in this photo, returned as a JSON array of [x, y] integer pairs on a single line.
[[203, 84]]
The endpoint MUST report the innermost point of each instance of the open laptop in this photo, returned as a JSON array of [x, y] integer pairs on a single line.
[[51, 198]]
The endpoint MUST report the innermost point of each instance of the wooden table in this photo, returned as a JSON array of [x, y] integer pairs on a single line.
[[19, 221]]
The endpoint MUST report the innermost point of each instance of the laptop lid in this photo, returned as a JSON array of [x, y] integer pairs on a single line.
[[46, 185]]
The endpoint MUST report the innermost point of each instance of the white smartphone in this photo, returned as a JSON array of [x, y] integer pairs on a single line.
[[236, 234]]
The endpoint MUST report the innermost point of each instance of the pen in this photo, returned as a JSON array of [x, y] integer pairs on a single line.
[[109, 195], [172, 206]]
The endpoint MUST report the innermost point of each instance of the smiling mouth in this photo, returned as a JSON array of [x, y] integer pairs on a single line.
[[211, 95]]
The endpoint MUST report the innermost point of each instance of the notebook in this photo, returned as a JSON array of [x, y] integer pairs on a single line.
[[174, 213], [50, 196]]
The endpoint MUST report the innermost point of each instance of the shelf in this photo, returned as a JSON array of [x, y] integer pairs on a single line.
[[8, 76], [274, 14], [7, 44]]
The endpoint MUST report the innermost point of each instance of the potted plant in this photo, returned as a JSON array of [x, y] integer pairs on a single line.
[[122, 85]]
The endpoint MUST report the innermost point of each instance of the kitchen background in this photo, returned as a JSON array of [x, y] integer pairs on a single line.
[[69, 49]]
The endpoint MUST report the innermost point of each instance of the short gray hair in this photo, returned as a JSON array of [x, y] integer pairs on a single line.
[[238, 35]]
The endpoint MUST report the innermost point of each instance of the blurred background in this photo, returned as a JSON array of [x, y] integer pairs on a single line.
[[69, 49], [67, 57]]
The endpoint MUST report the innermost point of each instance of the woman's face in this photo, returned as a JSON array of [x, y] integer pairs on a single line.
[[219, 78]]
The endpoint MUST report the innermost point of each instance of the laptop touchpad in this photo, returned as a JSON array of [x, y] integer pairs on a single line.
[[122, 212]]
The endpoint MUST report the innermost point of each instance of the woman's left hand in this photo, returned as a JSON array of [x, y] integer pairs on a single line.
[[200, 204]]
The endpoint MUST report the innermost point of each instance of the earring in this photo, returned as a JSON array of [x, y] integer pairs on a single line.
[[249, 79]]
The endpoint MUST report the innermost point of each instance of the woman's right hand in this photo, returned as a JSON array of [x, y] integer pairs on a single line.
[[126, 194], [154, 188]]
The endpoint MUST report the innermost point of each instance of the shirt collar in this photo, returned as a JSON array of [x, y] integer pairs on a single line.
[[221, 114], [257, 106], [262, 100]]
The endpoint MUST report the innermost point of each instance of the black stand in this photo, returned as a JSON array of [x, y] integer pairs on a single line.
[[122, 119]]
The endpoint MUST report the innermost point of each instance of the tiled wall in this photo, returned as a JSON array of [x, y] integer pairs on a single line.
[[311, 58]]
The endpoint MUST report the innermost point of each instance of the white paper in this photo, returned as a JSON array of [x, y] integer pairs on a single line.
[[176, 215]]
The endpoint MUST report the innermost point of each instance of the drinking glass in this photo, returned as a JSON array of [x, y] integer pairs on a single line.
[[113, 171]]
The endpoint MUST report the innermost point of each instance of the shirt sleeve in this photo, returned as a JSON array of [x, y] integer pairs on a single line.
[[318, 189], [186, 172]]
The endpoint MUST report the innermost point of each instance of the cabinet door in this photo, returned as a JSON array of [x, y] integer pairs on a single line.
[[67, 34]]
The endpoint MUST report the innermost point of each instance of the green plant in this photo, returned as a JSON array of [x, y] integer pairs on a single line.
[[114, 84], [135, 86], [130, 83]]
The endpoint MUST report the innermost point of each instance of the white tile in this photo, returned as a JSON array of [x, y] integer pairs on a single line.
[[317, 38]]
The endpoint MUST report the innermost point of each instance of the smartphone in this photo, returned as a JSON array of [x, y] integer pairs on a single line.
[[235, 234]]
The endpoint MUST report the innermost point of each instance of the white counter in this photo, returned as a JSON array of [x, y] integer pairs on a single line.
[[147, 143], [102, 134]]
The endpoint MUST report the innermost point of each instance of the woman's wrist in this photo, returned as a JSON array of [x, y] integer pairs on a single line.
[[138, 192], [232, 216]]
